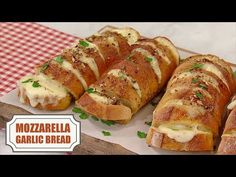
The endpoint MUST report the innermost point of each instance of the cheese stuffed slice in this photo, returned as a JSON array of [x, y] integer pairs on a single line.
[[79, 66], [228, 139], [130, 84], [189, 114]]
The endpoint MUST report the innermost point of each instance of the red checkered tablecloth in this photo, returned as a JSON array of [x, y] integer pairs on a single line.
[[25, 45]]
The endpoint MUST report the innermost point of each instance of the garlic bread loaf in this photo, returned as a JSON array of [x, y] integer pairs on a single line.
[[128, 85], [190, 113], [76, 68]]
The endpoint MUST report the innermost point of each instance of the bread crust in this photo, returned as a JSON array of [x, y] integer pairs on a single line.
[[104, 111]]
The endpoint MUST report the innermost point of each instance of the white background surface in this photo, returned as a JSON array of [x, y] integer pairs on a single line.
[[214, 38]]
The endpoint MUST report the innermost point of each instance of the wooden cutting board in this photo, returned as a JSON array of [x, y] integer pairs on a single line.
[[89, 145]]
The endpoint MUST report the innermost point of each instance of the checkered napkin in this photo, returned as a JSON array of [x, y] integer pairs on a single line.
[[25, 45]]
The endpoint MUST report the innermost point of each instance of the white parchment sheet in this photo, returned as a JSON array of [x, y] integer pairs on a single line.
[[126, 135]]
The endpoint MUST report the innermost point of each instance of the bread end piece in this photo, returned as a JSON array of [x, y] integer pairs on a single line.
[[199, 143], [118, 113]]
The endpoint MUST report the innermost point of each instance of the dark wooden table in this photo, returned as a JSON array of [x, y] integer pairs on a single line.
[[89, 145]]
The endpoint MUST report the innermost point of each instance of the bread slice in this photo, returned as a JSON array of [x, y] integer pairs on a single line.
[[42, 92], [101, 106], [228, 138]]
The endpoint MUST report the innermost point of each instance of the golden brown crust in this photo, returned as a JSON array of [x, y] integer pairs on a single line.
[[227, 145], [66, 78], [104, 111], [110, 52], [200, 142], [228, 139], [59, 104], [197, 97]]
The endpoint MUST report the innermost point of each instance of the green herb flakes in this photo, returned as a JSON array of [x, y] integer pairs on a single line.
[[106, 133], [90, 90], [36, 84], [149, 59], [195, 80], [199, 95], [203, 86], [77, 110], [83, 43], [83, 115], [59, 59], [28, 80], [141, 134], [108, 122], [196, 66]]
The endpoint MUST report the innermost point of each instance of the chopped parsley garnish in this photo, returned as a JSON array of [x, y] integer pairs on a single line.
[[28, 80], [36, 84], [195, 80], [149, 59], [82, 115], [121, 75], [106, 133], [94, 118], [141, 134], [148, 123], [77, 110], [44, 66], [203, 86], [196, 66], [199, 95], [90, 90], [108, 122], [59, 59], [83, 43], [235, 74]]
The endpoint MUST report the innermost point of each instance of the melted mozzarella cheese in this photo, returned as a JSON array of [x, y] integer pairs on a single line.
[[112, 41], [91, 45], [163, 56], [123, 75], [180, 133], [204, 77], [232, 105], [68, 66], [213, 69], [90, 62], [154, 63], [130, 34], [49, 91], [101, 99], [166, 43]]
